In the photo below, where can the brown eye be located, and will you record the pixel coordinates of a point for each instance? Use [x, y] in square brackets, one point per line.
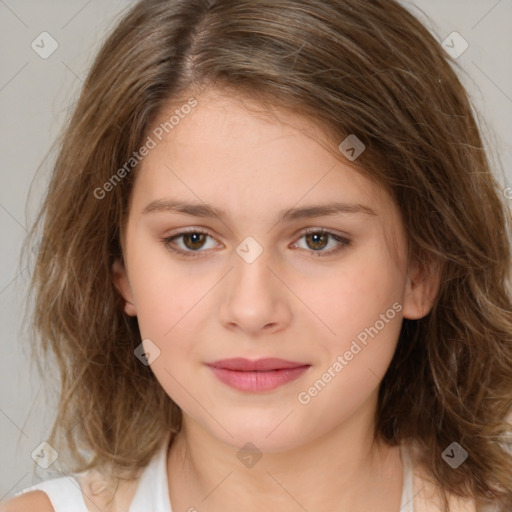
[194, 241]
[318, 240]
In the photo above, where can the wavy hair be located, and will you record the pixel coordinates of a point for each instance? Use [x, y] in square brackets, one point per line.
[364, 67]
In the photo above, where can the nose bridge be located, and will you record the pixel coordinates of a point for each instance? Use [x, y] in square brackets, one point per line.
[252, 261]
[253, 296]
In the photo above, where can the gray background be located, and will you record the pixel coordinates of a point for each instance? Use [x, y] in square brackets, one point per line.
[36, 95]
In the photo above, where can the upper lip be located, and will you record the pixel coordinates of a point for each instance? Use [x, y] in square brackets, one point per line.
[248, 365]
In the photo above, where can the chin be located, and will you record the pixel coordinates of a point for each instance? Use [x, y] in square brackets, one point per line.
[270, 435]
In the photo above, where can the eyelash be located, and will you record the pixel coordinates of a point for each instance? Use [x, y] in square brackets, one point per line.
[342, 241]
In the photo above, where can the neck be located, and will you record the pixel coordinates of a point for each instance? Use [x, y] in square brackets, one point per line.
[345, 470]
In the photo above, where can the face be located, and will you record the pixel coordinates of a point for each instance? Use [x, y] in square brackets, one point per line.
[267, 277]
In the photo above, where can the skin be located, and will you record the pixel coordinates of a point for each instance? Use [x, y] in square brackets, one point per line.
[287, 303]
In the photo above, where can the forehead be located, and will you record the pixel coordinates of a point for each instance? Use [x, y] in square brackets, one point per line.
[234, 144]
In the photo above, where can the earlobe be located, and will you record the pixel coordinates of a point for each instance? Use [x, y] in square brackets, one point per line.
[122, 285]
[421, 291]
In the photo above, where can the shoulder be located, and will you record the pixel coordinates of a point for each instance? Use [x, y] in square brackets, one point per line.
[90, 492]
[428, 496]
[100, 494]
[431, 502]
[33, 500]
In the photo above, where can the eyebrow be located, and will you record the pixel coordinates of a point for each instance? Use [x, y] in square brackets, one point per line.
[304, 212]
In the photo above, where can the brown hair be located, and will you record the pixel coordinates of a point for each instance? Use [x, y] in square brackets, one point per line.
[364, 67]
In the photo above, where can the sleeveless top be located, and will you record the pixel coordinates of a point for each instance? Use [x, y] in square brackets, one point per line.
[153, 492]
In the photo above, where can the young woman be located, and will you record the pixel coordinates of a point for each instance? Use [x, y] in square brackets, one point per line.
[275, 270]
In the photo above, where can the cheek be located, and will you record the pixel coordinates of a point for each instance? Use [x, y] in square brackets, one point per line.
[163, 304]
[164, 290]
[169, 312]
[354, 298]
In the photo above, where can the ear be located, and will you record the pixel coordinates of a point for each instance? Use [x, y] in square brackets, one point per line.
[123, 287]
[421, 289]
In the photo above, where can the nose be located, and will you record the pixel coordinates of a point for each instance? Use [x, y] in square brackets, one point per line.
[254, 298]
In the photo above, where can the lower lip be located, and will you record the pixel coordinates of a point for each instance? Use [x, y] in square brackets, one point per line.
[258, 381]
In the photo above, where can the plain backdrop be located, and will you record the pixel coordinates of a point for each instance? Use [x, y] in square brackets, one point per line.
[36, 95]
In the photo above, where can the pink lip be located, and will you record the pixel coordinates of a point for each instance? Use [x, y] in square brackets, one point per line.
[260, 375]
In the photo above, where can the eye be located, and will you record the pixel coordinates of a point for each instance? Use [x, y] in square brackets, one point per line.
[318, 239]
[194, 241]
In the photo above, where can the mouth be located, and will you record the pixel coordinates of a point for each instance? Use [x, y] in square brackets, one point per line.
[257, 375]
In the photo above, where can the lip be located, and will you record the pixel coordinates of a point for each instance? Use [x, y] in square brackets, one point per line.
[257, 375]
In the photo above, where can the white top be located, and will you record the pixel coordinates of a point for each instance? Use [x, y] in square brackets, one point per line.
[153, 492]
